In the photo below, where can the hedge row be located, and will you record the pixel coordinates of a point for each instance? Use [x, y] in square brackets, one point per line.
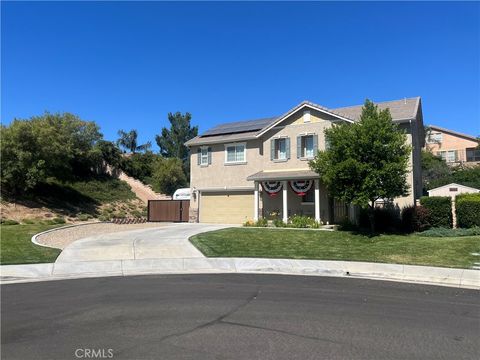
[467, 208]
[439, 210]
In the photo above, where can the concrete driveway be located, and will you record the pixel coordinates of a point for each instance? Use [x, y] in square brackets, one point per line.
[158, 243]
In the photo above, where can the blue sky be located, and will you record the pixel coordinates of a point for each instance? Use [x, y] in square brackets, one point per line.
[126, 65]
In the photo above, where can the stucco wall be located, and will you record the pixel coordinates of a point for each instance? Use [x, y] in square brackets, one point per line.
[293, 127]
[451, 142]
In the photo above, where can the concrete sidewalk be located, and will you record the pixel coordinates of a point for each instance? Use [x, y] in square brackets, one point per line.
[464, 278]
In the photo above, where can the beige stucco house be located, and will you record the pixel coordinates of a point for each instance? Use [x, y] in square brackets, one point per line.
[453, 147]
[259, 168]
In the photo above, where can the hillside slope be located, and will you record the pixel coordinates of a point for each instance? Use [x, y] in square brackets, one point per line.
[100, 197]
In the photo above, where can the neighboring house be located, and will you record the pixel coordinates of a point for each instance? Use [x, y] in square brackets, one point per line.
[249, 169]
[452, 190]
[452, 146]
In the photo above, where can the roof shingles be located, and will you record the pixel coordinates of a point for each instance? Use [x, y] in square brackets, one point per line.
[405, 109]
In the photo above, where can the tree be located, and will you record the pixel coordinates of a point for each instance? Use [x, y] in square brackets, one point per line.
[172, 141]
[168, 175]
[366, 161]
[107, 153]
[140, 165]
[128, 141]
[433, 168]
[51, 145]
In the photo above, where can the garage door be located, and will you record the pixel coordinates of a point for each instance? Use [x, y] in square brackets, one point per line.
[226, 208]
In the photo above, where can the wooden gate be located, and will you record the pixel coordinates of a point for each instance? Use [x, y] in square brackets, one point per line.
[168, 210]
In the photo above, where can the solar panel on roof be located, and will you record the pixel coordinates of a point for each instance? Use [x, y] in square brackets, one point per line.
[239, 127]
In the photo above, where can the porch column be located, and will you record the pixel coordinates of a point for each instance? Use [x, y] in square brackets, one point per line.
[285, 206]
[255, 196]
[317, 200]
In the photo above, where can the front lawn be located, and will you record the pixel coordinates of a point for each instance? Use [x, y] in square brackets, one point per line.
[16, 246]
[339, 245]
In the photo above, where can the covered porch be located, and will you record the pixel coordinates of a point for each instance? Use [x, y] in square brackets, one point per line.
[282, 194]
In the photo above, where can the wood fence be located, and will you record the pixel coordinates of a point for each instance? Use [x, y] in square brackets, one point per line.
[168, 210]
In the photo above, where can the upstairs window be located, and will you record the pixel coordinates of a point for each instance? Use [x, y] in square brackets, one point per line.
[235, 153]
[448, 156]
[473, 154]
[434, 138]
[280, 149]
[307, 146]
[204, 156]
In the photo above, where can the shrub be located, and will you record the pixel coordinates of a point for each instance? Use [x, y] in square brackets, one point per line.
[136, 214]
[83, 217]
[387, 219]
[347, 225]
[58, 220]
[104, 218]
[298, 221]
[467, 208]
[440, 210]
[249, 223]
[415, 218]
[279, 223]
[262, 222]
[28, 221]
[8, 222]
[445, 232]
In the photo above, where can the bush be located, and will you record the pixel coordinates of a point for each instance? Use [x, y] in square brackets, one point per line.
[83, 217]
[279, 223]
[58, 220]
[387, 219]
[440, 210]
[298, 221]
[9, 222]
[467, 208]
[28, 221]
[415, 218]
[104, 218]
[445, 232]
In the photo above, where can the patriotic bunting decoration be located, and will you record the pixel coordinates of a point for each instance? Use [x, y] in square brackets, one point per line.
[272, 188]
[301, 186]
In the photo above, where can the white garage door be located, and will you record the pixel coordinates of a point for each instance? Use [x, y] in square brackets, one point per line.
[226, 208]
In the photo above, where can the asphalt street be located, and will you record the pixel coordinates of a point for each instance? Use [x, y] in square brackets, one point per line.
[237, 317]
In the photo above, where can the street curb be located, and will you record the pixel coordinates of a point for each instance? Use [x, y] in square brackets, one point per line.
[452, 277]
[34, 237]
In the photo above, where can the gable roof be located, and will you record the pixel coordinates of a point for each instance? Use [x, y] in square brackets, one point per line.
[455, 185]
[401, 110]
[448, 131]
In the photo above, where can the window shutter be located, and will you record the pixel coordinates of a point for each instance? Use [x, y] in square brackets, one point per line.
[299, 147]
[199, 156]
[287, 147]
[209, 155]
[315, 144]
[272, 149]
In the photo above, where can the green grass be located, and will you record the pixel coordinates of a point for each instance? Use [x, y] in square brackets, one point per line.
[16, 246]
[339, 245]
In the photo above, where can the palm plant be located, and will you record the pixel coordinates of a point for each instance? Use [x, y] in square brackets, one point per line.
[128, 141]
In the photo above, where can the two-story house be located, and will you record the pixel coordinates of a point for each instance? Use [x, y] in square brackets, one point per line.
[453, 147]
[259, 168]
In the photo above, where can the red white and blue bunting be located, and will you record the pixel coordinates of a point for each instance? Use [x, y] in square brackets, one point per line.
[301, 186]
[272, 188]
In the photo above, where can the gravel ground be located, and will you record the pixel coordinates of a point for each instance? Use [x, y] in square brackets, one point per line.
[62, 237]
